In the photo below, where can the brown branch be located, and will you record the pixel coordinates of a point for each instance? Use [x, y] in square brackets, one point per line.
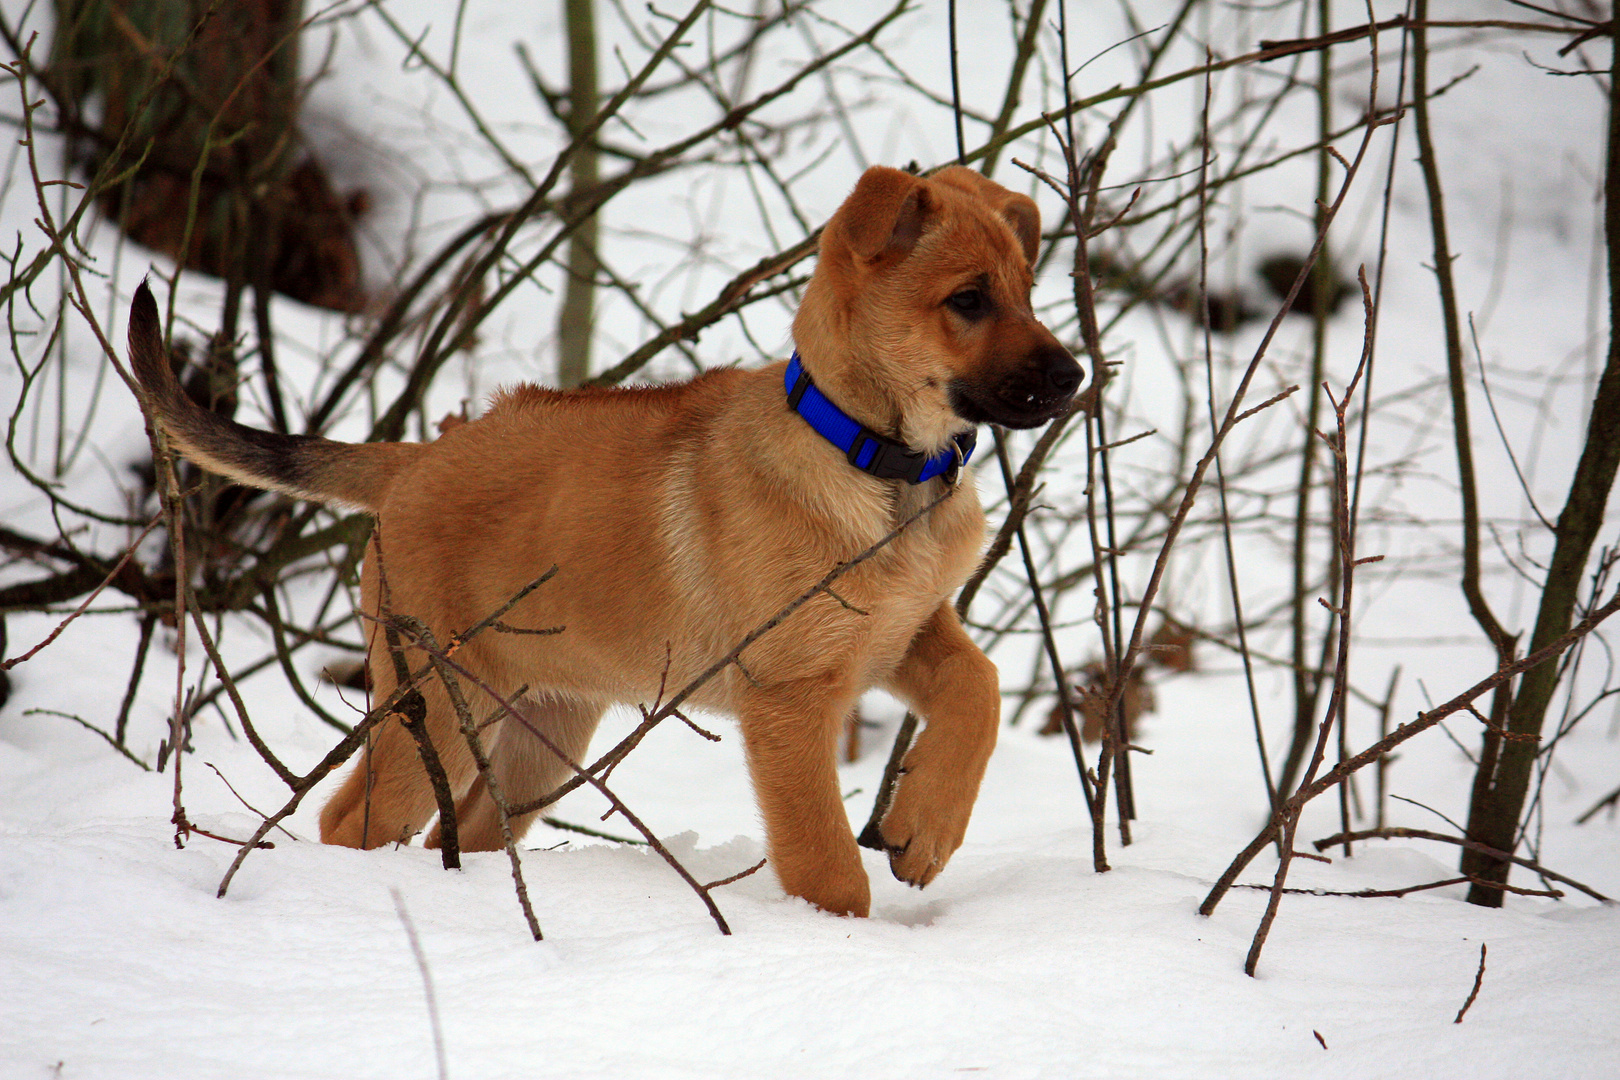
[232, 789]
[193, 830]
[286, 775]
[1396, 832]
[271, 614]
[1079, 192]
[334, 759]
[1274, 50]
[1499, 794]
[734, 295]
[1423, 722]
[443, 666]
[569, 826]
[1019, 499]
[137, 669]
[412, 715]
[1344, 538]
[1094, 790]
[1607, 800]
[117, 569]
[1479, 978]
[1380, 894]
[114, 743]
[756, 868]
[413, 718]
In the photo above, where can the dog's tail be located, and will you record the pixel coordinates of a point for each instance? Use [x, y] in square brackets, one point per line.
[304, 466]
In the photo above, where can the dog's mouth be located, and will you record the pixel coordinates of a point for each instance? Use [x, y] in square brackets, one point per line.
[1030, 396]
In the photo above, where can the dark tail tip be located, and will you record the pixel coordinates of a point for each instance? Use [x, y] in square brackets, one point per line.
[146, 341]
[143, 314]
[143, 310]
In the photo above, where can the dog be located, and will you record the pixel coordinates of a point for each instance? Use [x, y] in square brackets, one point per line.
[681, 517]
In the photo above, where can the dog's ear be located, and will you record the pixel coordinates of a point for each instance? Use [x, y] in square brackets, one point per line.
[884, 216]
[1025, 218]
[1019, 211]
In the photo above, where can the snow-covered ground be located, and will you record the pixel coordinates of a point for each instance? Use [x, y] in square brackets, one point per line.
[118, 961]
[1018, 962]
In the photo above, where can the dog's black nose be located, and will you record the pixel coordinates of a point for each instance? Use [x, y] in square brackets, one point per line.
[1063, 375]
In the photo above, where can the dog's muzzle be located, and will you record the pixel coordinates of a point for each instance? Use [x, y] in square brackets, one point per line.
[1031, 393]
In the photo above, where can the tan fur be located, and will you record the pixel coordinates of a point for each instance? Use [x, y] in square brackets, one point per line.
[681, 517]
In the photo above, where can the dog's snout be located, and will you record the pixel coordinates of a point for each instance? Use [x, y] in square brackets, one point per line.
[1032, 391]
[1063, 375]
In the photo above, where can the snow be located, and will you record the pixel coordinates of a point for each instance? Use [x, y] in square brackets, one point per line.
[117, 960]
[1019, 962]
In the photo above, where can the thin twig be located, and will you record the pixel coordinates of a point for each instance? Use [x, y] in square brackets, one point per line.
[1384, 894]
[413, 717]
[232, 789]
[112, 742]
[1344, 537]
[1607, 800]
[1423, 722]
[427, 982]
[1479, 978]
[129, 553]
[1398, 832]
[443, 666]
[568, 826]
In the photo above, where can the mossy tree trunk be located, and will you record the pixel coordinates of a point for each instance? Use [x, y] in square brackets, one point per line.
[223, 185]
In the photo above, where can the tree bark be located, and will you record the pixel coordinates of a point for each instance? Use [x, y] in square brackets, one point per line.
[575, 320]
[1494, 815]
[223, 184]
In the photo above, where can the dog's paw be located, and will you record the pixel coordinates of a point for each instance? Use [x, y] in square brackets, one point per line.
[923, 829]
[855, 901]
[835, 892]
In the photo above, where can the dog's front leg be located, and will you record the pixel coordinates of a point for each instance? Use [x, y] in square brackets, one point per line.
[791, 733]
[948, 681]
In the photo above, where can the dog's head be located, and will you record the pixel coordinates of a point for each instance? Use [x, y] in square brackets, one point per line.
[918, 315]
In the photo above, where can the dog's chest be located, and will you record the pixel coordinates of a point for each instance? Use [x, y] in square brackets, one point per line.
[866, 617]
[739, 546]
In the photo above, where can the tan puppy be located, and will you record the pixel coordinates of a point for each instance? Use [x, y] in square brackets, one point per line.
[681, 517]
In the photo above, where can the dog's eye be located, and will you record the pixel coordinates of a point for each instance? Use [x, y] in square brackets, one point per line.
[968, 302]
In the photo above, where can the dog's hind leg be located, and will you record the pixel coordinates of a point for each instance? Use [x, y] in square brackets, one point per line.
[791, 732]
[388, 798]
[524, 767]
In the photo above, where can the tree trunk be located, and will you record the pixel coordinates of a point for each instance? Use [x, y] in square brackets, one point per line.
[575, 320]
[1498, 803]
[224, 186]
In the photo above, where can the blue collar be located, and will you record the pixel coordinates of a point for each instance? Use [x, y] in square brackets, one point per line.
[866, 449]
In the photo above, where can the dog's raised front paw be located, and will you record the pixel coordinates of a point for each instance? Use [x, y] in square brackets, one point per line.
[923, 829]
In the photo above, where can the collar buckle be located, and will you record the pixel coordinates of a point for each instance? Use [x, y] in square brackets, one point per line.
[887, 460]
